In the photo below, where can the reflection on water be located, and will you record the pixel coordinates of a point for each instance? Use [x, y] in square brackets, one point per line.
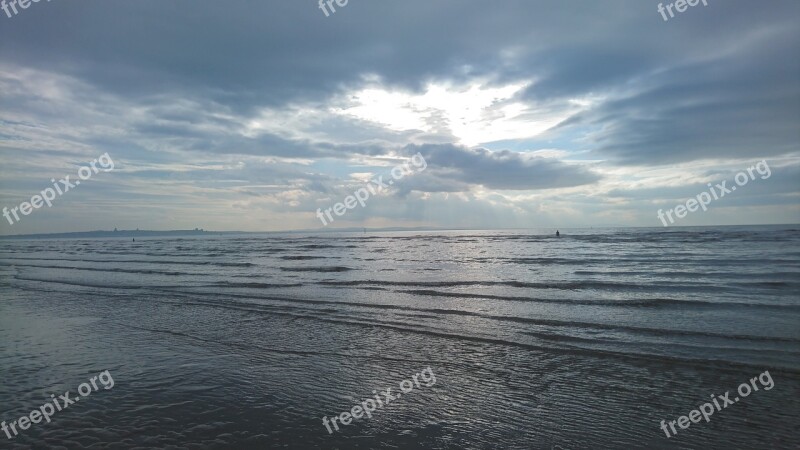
[589, 340]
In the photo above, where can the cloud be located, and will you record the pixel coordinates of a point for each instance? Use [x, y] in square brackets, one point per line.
[745, 103]
[499, 169]
[253, 114]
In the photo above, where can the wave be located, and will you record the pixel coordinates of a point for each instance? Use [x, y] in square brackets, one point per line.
[325, 269]
[654, 302]
[107, 269]
[719, 364]
[302, 257]
[565, 285]
[583, 326]
[90, 284]
[140, 261]
[319, 246]
[137, 261]
[254, 285]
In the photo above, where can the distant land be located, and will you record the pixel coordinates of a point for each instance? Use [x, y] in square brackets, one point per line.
[111, 234]
[102, 234]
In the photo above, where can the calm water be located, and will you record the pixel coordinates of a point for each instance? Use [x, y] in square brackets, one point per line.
[587, 341]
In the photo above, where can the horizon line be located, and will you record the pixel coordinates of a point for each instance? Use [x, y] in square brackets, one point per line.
[358, 229]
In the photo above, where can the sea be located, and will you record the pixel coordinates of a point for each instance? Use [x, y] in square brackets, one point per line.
[587, 340]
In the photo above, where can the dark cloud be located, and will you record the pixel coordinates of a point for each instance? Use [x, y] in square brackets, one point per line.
[499, 169]
[741, 104]
[715, 80]
[190, 97]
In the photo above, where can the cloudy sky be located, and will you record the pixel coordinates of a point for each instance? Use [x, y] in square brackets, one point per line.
[251, 115]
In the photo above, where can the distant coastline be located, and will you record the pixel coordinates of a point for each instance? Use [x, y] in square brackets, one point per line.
[102, 234]
[113, 234]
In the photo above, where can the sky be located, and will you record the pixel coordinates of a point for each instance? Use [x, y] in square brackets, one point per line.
[255, 115]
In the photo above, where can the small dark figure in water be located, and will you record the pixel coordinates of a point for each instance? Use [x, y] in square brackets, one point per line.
[134, 239]
[558, 234]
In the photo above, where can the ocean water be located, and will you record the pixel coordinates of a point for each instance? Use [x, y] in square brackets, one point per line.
[247, 341]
